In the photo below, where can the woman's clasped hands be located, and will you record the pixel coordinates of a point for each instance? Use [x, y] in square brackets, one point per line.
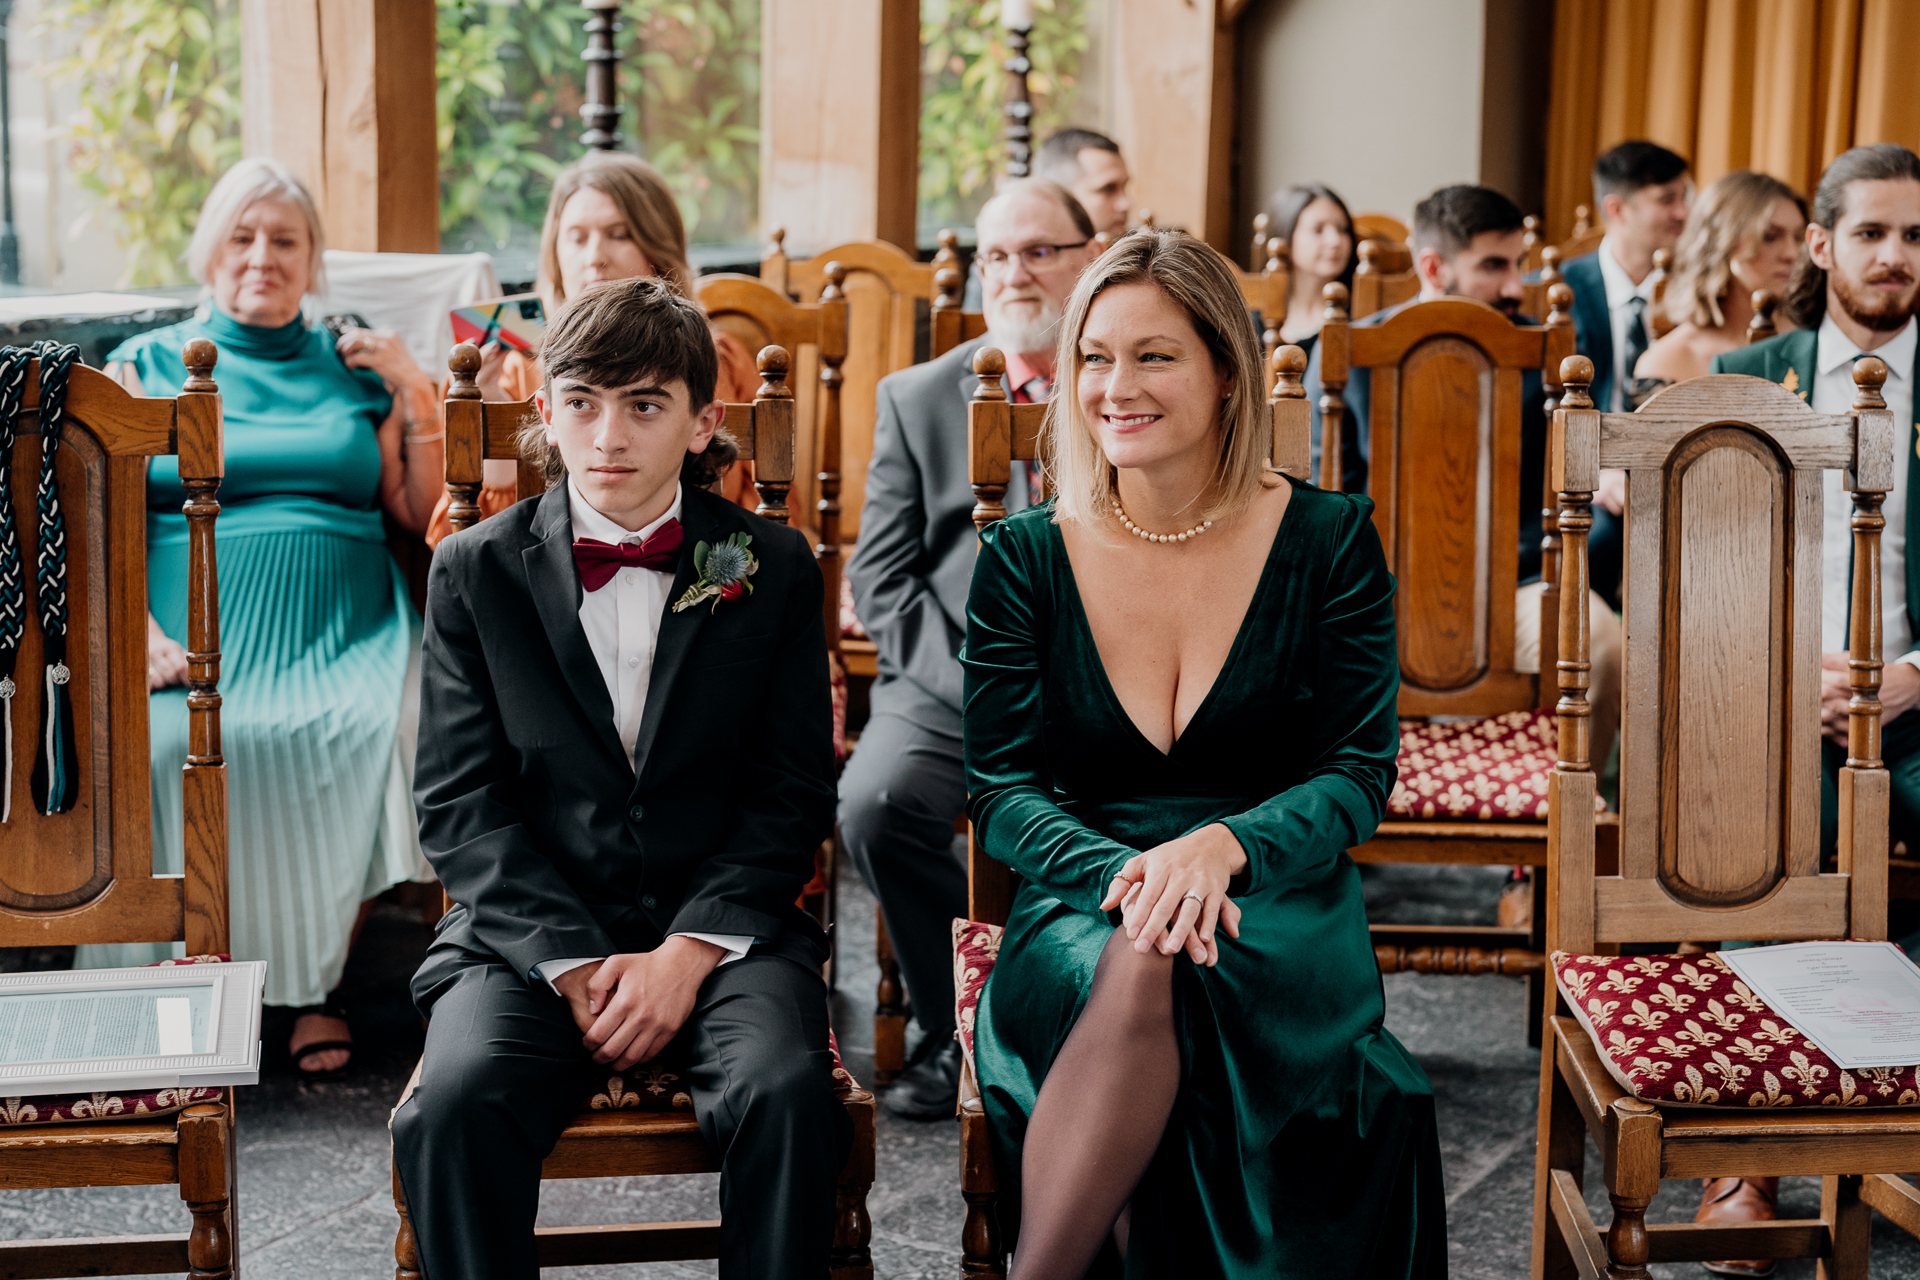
[1175, 895]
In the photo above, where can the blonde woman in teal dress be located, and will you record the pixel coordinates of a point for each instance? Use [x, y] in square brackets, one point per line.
[1180, 687]
[317, 631]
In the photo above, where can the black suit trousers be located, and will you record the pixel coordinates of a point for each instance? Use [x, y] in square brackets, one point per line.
[505, 1071]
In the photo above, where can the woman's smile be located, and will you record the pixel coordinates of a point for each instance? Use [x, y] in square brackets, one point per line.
[1125, 422]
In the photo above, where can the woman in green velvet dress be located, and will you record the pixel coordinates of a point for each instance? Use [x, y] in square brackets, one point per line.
[322, 437]
[1180, 688]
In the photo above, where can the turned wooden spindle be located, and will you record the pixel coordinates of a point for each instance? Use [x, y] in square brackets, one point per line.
[982, 1255]
[1559, 346]
[1018, 109]
[1550, 265]
[466, 437]
[1279, 289]
[948, 254]
[827, 473]
[1292, 418]
[1259, 255]
[406, 1249]
[947, 284]
[205, 1136]
[1333, 383]
[989, 495]
[1582, 221]
[1761, 326]
[1575, 665]
[772, 408]
[774, 263]
[1530, 242]
[601, 110]
[1634, 1181]
[203, 783]
[1864, 665]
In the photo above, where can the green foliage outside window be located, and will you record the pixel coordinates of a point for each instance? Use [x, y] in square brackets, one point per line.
[159, 117]
[512, 83]
[962, 89]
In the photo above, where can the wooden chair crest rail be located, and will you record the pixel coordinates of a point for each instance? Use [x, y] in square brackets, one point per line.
[1388, 236]
[86, 875]
[1445, 382]
[1722, 724]
[1000, 433]
[625, 1143]
[1377, 286]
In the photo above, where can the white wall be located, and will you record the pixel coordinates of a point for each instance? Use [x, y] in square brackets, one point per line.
[1379, 99]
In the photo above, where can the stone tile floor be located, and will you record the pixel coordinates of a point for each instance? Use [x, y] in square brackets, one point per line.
[314, 1191]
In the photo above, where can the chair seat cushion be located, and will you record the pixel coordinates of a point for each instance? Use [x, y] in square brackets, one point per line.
[976, 947]
[97, 1108]
[1684, 1031]
[1491, 769]
[654, 1087]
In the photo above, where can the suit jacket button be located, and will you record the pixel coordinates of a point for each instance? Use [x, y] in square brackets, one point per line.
[636, 813]
[648, 901]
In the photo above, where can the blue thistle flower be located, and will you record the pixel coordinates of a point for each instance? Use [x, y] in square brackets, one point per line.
[726, 564]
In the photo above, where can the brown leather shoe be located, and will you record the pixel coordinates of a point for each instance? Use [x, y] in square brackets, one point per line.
[1516, 905]
[1739, 1200]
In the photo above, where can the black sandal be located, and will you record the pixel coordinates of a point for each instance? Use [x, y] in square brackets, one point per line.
[328, 1009]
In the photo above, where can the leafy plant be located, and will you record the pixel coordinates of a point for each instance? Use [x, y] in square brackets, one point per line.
[963, 88]
[159, 117]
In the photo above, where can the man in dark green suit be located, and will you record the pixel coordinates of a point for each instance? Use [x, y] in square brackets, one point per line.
[1853, 293]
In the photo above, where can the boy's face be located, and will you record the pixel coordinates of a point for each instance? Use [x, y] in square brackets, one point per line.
[623, 446]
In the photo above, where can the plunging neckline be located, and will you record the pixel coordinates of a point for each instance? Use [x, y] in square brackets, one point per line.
[1107, 690]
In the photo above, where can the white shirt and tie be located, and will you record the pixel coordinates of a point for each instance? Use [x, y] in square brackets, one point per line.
[622, 622]
[1624, 298]
[1833, 390]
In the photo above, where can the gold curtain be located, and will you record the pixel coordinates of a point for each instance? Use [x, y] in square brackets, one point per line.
[1782, 86]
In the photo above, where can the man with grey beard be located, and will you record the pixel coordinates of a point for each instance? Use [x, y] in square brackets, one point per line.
[905, 786]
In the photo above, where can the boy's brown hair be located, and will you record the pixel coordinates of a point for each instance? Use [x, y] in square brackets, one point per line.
[628, 331]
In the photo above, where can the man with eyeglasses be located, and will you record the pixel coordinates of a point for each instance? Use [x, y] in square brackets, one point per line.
[905, 786]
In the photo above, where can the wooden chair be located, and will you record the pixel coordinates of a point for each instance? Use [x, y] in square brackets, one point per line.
[1388, 236]
[1375, 288]
[1000, 433]
[1455, 553]
[1533, 296]
[1268, 293]
[1585, 236]
[1761, 326]
[1737, 463]
[629, 1143]
[86, 875]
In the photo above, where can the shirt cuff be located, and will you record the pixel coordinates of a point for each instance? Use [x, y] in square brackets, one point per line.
[1911, 658]
[734, 944]
[548, 970]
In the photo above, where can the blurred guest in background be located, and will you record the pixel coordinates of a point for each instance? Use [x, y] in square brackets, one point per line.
[1743, 235]
[1089, 165]
[1313, 222]
[319, 682]
[611, 217]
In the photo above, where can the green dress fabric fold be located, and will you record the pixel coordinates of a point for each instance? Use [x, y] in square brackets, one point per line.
[316, 634]
[1304, 1139]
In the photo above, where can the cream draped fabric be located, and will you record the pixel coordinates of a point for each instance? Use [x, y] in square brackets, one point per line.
[1782, 86]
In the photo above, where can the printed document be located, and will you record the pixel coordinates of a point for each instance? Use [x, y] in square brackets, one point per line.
[1858, 1001]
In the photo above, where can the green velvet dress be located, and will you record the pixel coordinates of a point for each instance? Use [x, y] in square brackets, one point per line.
[1303, 1143]
[316, 633]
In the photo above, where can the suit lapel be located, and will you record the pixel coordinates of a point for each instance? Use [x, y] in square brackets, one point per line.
[1912, 446]
[554, 583]
[677, 630]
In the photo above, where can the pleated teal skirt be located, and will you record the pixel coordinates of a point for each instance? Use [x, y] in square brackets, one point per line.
[316, 634]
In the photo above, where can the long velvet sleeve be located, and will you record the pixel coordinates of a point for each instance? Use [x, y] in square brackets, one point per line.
[1356, 731]
[1003, 728]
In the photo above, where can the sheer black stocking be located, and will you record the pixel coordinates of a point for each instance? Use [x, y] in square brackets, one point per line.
[1099, 1116]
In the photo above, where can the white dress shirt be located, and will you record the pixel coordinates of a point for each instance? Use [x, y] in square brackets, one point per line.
[1621, 291]
[622, 622]
[1833, 391]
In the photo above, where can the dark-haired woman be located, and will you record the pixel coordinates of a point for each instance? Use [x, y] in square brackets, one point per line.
[1314, 224]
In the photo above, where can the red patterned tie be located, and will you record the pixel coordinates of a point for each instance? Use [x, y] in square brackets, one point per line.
[599, 561]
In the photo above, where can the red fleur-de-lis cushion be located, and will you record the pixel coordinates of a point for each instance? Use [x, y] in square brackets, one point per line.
[1492, 769]
[92, 1108]
[1684, 1031]
[655, 1086]
[976, 947]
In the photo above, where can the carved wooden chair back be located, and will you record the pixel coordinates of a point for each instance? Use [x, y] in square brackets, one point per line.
[1444, 470]
[1267, 293]
[86, 875]
[1761, 326]
[1533, 297]
[1388, 236]
[951, 325]
[1585, 236]
[761, 316]
[1720, 728]
[1378, 288]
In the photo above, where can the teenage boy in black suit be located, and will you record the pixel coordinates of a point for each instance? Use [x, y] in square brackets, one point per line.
[625, 765]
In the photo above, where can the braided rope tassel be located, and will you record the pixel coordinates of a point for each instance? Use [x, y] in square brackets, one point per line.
[13, 582]
[56, 767]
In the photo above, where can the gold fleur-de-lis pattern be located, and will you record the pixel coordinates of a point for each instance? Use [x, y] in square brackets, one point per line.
[976, 947]
[1490, 770]
[91, 1108]
[1684, 1030]
[652, 1087]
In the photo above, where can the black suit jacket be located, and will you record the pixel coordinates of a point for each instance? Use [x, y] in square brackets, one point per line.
[552, 843]
[1592, 323]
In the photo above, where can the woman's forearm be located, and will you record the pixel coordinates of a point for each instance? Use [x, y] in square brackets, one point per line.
[413, 456]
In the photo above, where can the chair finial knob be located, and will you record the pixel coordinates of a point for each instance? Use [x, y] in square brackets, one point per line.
[200, 357]
[1289, 366]
[1576, 374]
[772, 364]
[989, 366]
[1869, 375]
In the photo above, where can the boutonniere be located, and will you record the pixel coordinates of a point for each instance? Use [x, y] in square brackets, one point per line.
[1792, 383]
[724, 568]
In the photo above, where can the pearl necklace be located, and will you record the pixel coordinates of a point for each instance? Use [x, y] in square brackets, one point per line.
[1138, 532]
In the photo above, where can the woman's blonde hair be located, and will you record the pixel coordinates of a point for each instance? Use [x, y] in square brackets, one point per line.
[643, 198]
[1733, 210]
[246, 184]
[1203, 283]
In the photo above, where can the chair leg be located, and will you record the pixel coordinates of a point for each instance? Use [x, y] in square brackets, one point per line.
[206, 1184]
[852, 1256]
[1627, 1245]
[1634, 1180]
[1537, 983]
[1562, 1145]
[982, 1257]
[889, 1009]
[406, 1251]
[1850, 1223]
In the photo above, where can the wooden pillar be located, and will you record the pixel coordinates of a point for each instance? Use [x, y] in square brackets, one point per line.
[840, 121]
[342, 93]
[1174, 84]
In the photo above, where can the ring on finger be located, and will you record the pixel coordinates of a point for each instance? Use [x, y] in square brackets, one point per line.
[1190, 894]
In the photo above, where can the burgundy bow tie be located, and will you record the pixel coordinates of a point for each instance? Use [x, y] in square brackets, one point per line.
[599, 561]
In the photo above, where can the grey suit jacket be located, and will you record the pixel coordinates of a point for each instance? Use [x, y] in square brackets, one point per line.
[914, 559]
